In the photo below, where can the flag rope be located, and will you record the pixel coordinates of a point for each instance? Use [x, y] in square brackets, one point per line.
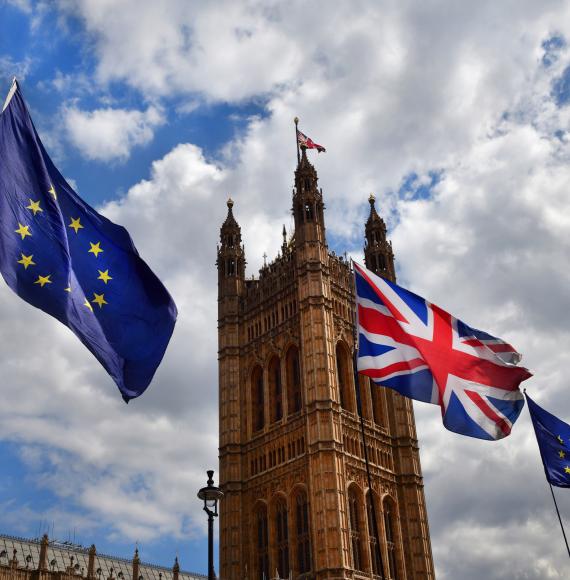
[363, 434]
[559, 518]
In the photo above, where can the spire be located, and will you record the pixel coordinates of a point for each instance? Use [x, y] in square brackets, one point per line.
[308, 206]
[377, 249]
[231, 254]
[230, 219]
[136, 564]
[175, 569]
[42, 564]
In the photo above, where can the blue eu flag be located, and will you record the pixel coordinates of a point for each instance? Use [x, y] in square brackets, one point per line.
[553, 436]
[60, 255]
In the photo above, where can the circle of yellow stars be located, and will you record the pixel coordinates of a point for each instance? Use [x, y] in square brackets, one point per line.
[27, 261]
[562, 453]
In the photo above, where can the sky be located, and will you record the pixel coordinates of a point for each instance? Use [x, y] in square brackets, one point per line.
[455, 114]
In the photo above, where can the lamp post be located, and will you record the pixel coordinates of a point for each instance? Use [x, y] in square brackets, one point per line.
[210, 495]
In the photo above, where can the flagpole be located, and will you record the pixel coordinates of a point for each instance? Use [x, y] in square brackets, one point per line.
[296, 121]
[546, 473]
[559, 518]
[363, 433]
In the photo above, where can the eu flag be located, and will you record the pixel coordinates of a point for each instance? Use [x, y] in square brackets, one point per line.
[60, 255]
[553, 436]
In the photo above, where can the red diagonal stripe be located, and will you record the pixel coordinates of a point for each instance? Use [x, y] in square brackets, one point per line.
[488, 412]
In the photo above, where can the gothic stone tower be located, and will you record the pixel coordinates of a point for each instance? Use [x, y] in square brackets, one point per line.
[297, 503]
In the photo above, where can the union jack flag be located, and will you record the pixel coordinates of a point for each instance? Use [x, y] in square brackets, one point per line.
[307, 142]
[416, 348]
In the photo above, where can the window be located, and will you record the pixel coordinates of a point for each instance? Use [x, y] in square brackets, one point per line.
[231, 267]
[257, 399]
[262, 538]
[390, 538]
[282, 539]
[376, 403]
[375, 556]
[275, 389]
[303, 542]
[344, 371]
[355, 534]
[294, 400]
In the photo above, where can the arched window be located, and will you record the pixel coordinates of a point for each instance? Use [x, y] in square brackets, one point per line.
[282, 538]
[257, 399]
[275, 391]
[294, 400]
[262, 544]
[344, 374]
[308, 211]
[355, 533]
[389, 526]
[376, 395]
[375, 556]
[303, 534]
[231, 267]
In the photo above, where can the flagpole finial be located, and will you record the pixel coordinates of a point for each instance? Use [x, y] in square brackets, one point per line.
[296, 120]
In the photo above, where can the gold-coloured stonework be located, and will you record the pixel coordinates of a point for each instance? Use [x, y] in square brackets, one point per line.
[291, 456]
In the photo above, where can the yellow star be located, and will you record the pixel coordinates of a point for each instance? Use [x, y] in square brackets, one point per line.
[99, 299]
[104, 276]
[43, 280]
[75, 225]
[95, 249]
[561, 454]
[560, 439]
[567, 469]
[23, 230]
[26, 261]
[34, 206]
[86, 303]
[52, 192]
[68, 289]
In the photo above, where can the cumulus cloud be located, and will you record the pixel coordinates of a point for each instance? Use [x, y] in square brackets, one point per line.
[398, 93]
[110, 134]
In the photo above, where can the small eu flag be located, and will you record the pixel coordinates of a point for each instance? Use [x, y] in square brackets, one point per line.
[60, 255]
[553, 436]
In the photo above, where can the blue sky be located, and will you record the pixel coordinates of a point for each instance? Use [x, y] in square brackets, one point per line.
[456, 116]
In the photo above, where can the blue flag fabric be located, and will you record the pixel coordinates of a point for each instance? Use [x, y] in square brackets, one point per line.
[553, 436]
[58, 254]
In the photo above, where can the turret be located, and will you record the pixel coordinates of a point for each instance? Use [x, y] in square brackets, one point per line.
[378, 253]
[231, 256]
[308, 206]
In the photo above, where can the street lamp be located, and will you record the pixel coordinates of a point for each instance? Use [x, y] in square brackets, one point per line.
[210, 495]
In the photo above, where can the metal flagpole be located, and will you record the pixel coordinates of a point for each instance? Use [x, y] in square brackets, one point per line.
[296, 120]
[363, 433]
[559, 518]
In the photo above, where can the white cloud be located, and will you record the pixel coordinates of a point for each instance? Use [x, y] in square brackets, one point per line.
[389, 89]
[110, 134]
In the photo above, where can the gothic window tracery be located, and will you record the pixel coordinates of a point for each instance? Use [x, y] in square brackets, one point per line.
[282, 538]
[303, 538]
[257, 399]
[391, 541]
[262, 544]
[294, 398]
[355, 529]
[275, 390]
[373, 537]
[345, 381]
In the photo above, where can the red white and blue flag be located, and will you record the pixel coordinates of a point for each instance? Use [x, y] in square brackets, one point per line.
[307, 142]
[407, 344]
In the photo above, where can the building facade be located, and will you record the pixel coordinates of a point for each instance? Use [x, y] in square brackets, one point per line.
[292, 463]
[22, 559]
